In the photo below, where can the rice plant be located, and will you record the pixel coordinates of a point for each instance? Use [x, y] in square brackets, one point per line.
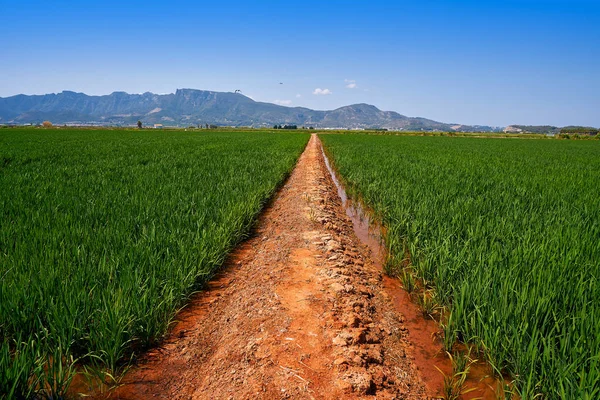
[454, 384]
[507, 231]
[105, 233]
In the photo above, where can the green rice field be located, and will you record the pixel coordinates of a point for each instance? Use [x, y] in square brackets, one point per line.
[504, 235]
[104, 234]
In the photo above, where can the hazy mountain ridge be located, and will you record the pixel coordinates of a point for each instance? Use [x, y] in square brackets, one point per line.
[192, 107]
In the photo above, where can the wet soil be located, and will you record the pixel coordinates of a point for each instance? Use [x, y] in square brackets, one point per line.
[423, 333]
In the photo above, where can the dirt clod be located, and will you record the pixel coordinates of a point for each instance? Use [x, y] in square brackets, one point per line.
[300, 316]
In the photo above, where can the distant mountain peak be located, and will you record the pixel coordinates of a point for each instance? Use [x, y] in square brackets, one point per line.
[193, 106]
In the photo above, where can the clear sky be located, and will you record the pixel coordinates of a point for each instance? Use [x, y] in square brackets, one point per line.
[471, 62]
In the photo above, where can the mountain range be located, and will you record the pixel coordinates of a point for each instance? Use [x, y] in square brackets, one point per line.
[192, 107]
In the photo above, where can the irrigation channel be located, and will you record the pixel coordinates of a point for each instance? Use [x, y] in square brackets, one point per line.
[423, 333]
[302, 310]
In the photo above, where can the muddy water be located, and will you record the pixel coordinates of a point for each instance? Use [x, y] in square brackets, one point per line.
[424, 333]
[365, 227]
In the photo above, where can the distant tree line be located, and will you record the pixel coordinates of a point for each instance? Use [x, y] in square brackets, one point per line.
[211, 126]
[537, 128]
[579, 130]
[572, 130]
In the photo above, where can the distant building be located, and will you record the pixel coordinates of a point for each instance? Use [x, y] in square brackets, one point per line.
[512, 129]
[158, 126]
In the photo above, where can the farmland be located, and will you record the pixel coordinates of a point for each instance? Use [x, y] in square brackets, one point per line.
[104, 234]
[504, 236]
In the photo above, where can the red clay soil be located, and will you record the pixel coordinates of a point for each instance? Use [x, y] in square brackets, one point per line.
[301, 310]
[423, 333]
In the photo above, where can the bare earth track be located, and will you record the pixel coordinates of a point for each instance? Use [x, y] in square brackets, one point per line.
[299, 311]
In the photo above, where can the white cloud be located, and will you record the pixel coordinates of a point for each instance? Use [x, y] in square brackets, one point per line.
[298, 95]
[322, 92]
[283, 102]
[350, 83]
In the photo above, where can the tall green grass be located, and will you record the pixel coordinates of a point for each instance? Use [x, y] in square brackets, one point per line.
[508, 233]
[104, 235]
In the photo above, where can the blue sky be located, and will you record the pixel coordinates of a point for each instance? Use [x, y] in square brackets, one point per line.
[471, 62]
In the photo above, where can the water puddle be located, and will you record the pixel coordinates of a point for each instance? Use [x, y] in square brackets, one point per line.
[367, 229]
[423, 333]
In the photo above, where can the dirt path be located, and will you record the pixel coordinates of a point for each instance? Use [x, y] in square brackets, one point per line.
[298, 312]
